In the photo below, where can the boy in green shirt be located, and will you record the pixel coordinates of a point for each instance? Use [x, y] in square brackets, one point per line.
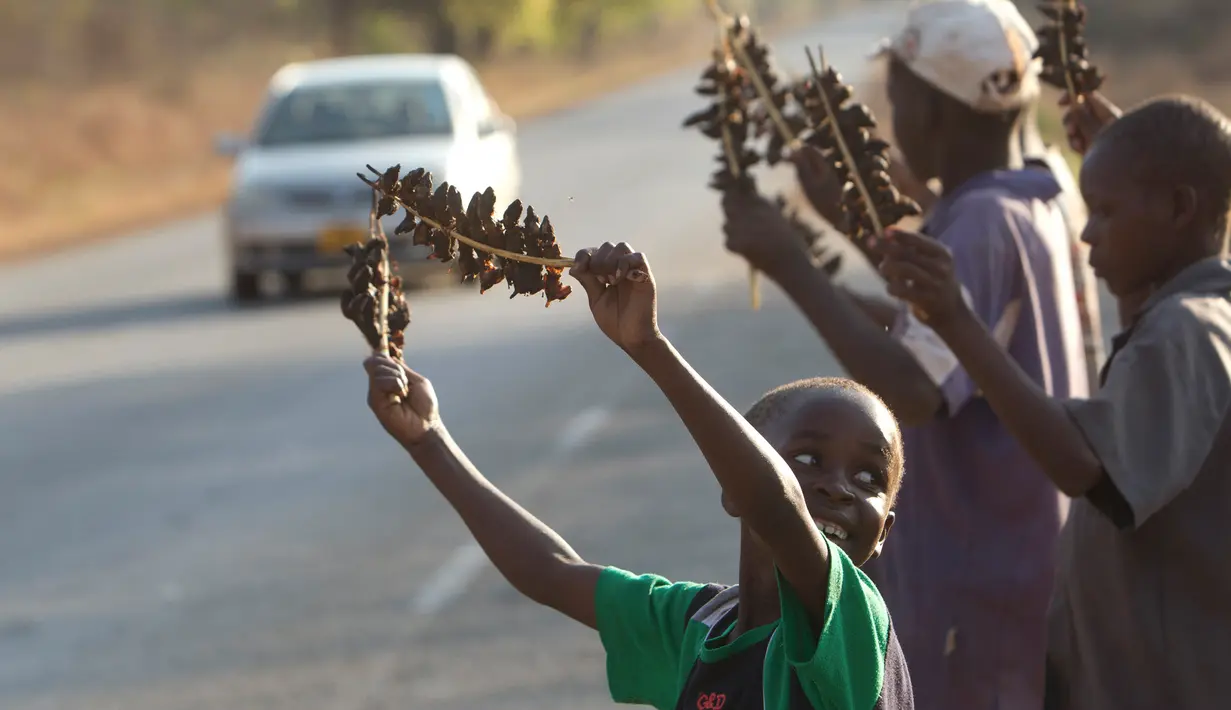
[811, 473]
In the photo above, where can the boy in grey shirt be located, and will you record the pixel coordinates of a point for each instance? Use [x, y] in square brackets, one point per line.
[1141, 616]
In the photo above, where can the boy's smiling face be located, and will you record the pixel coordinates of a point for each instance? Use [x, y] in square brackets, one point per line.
[845, 449]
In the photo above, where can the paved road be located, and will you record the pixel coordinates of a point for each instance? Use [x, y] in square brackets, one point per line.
[197, 511]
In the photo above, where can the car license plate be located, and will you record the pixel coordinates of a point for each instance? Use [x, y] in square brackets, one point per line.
[333, 239]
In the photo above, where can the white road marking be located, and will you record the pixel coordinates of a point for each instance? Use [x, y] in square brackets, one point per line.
[464, 565]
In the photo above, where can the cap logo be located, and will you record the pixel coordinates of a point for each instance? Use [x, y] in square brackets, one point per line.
[1004, 82]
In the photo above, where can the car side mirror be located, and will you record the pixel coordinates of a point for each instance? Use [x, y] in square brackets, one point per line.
[229, 145]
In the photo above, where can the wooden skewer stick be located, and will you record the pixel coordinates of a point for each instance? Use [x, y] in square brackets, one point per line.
[377, 231]
[728, 148]
[1064, 52]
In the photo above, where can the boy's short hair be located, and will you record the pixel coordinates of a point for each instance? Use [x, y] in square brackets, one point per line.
[1179, 140]
[775, 402]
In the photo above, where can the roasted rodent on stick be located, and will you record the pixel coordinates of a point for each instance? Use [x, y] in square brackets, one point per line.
[519, 248]
[370, 270]
[768, 112]
[1062, 49]
[726, 120]
[749, 101]
[841, 129]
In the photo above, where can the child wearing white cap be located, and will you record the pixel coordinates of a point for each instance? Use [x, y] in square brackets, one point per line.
[969, 583]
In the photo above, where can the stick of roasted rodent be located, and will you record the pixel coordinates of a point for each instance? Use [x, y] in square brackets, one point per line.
[373, 299]
[841, 129]
[751, 99]
[520, 250]
[1062, 49]
[726, 120]
[1066, 66]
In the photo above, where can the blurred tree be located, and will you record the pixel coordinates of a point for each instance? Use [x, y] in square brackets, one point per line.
[439, 26]
[342, 17]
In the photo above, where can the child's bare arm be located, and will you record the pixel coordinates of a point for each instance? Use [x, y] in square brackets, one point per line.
[880, 311]
[762, 486]
[757, 231]
[530, 555]
[919, 270]
[754, 477]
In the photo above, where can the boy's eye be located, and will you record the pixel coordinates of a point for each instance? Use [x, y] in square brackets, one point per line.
[808, 459]
[868, 478]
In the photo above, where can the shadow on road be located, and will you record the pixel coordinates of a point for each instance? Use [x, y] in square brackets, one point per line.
[134, 313]
[179, 307]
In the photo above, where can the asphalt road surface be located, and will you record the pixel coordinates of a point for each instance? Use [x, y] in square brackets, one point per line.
[198, 511]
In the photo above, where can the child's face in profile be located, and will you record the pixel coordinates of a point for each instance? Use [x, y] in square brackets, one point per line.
[1130, 229]
[844, 449]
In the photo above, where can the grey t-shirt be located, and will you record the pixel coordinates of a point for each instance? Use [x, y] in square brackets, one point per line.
[1141, 616]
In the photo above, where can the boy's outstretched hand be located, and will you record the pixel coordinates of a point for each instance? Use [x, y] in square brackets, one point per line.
[919, 270]
[757, 230]
[820, 183]
[622, 293]
[1083, 120]
[402, 400]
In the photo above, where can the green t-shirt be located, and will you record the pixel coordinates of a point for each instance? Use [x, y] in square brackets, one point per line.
[664, 647]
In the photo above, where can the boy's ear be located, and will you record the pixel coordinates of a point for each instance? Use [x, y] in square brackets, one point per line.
[880, 544]
[1184, 206]
[729, 506]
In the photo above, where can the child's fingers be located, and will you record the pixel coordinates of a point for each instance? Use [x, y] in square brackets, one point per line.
[618, 254]
[381, 363]
[387, 371]
[412, 377]
[633, 267]
[605, 264]
[904, 242]
[581, 271]
[602, 262]
[391, 385]
[581, 262]
[908, 281]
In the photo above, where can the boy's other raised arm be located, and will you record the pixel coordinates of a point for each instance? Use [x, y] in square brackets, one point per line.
[754, 477]
[920, 270]
[530, 555]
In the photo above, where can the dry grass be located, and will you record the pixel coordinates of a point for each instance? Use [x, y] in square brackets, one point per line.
[139, 153]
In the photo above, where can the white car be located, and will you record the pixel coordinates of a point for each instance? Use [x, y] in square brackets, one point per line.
[295, 201]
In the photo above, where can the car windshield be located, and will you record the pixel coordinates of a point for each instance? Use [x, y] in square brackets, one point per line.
[357, 112]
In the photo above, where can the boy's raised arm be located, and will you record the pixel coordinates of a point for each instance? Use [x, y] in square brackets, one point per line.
[754, 477]
[530, 555]
[919, 270]
[757, 231]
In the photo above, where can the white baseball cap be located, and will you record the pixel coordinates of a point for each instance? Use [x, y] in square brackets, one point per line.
[980, 52]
